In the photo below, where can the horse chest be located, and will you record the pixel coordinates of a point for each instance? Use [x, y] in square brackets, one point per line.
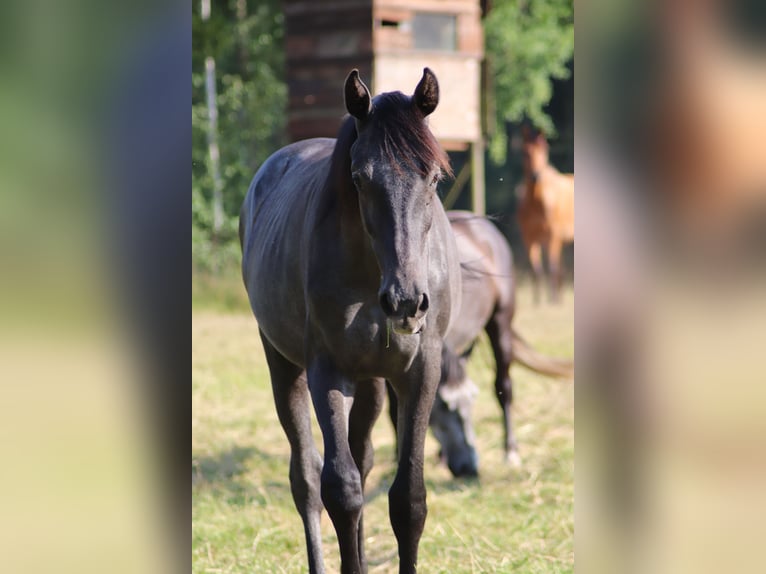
[358, 340]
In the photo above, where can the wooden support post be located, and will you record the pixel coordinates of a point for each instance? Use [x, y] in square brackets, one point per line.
[212, 133]
[478, 205]
[457, 185]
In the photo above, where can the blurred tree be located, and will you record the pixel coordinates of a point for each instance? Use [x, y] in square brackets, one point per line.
[528, 44]
[245, 39]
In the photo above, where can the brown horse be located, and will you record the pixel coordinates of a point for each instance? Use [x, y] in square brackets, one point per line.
[546, 214]
[708, 120]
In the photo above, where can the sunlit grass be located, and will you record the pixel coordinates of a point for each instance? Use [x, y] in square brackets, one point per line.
[510, 520]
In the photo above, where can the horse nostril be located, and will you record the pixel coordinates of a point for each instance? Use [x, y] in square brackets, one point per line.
[423, 306]
[385, 304]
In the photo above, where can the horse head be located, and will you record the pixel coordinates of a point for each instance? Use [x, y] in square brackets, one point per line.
[396, 164]
[451, 416]
[535, 151]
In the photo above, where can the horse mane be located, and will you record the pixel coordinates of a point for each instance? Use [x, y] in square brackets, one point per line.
[405, 137]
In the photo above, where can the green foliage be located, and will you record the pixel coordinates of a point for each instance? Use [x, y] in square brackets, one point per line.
[247, 48]
[528, 43]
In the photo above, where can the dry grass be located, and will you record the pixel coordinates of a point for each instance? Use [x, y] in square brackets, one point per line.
[507, 521]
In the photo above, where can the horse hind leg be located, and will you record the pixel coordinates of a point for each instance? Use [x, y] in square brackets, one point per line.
[554, 257]
[368, 403]
[292, 401]
[499, 331]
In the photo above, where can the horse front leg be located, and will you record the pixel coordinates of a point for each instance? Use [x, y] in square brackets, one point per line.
[342, 492]
[368, 403]
[393, 408]
[407, 495]
[538, 273]
[291, 398]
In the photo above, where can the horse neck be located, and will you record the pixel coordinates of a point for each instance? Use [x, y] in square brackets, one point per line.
[532, 184]
[343, 195]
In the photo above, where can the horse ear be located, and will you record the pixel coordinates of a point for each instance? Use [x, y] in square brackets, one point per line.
[357, 96]
[426, 96]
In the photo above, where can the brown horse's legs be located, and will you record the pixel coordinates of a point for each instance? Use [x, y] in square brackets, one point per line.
[407, 496]
[368, 402]
[538, 273]
[499, 331]
[291, 397]
[333, 396]
[554, 263]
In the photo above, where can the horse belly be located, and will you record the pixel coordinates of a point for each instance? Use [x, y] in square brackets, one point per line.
[478, 302]
[274, 214]
[533, 222]
[277, 304]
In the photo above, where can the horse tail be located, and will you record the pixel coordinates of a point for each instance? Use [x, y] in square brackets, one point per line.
[536, 361]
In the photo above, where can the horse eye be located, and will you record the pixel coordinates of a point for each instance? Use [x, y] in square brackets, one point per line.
[435, 179]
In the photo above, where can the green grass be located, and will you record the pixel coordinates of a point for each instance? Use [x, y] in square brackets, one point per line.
[222, 292]
[510, 520]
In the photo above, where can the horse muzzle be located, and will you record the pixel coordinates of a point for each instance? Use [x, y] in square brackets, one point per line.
[407, 315]
[408, 325]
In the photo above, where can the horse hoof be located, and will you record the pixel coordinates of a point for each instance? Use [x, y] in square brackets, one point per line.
[513, 459]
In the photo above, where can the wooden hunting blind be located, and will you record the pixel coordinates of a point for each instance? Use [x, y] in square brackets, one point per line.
[390, 42]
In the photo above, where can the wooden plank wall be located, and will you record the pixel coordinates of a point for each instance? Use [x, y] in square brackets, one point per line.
[388, 38]
[457, 119]
[323, 42]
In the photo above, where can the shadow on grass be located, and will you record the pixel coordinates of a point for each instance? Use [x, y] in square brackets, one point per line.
[222, 466]
[223, 476]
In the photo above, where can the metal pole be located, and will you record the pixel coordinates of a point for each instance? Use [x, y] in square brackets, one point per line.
[477, 178]
[212, 132]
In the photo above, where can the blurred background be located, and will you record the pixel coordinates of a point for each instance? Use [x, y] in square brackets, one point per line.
[95, 136]
[671, 294]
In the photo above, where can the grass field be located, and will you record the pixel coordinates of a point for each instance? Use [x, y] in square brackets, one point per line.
[509, 520]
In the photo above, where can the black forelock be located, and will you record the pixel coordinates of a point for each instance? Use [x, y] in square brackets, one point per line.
[406, 139]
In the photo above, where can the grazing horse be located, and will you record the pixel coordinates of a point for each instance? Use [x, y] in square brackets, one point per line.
[546, 213]
[488, 303]
[352, 274]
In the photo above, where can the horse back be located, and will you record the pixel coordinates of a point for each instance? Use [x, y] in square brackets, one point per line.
[487, 275]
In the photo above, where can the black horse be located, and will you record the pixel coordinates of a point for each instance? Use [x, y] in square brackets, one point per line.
[353, 276]
[488, 303]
